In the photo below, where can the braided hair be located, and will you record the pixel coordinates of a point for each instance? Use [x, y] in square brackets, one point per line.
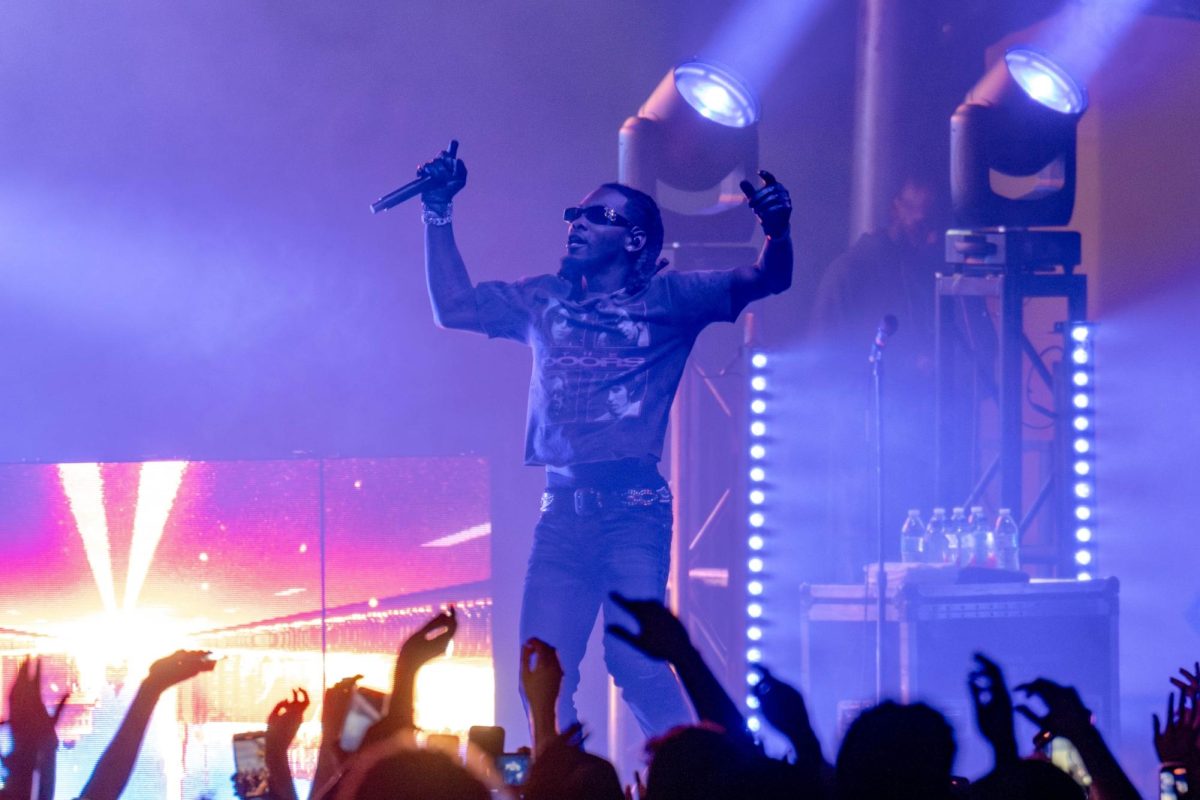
[643, 212]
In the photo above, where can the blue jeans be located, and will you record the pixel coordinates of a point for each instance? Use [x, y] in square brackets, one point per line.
[576, 561]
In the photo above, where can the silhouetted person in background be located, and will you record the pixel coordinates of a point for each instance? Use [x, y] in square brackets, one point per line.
[887, 271]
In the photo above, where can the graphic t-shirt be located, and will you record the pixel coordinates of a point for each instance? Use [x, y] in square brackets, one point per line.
[605, 369]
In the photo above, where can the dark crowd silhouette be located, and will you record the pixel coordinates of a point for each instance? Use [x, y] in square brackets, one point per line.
[891, 750]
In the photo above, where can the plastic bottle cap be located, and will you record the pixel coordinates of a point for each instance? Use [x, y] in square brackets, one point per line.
[1004, 511]
[939, 509]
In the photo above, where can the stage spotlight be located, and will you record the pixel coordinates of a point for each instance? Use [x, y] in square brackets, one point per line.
[1045, 81]
[1012, 145]
[689, 146]
[716, 94]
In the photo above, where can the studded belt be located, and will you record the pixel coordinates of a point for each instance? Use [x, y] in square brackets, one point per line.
[586, 502]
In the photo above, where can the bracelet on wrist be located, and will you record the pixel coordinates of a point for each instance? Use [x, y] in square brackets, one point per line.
[433, 215]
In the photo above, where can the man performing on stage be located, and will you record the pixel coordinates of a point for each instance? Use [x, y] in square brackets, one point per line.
[610, 335]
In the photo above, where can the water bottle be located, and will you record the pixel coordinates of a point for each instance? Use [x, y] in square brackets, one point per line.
[912, 538]
[979, 543]
[1007, 536]
[956, 532]
[937, 550]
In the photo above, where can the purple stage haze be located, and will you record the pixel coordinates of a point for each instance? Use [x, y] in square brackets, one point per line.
[189, 269]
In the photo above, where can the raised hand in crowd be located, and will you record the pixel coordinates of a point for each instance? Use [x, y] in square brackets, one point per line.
[424, 645]
[637, 789]
[112, 772]
[784, 708]
[993, 710]
[662, 636]
[1177, 742]
[541, 682]
[34, 742]
[1189, 686]
[1011, 778]
[282, 725]
[330, 755]
[1066, 716]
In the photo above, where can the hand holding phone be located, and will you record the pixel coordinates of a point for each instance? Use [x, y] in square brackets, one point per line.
[488, 738]
[365, 709]
[428, 642]
[513, 768]
[444, 743]
[485, 743]
[250, 763]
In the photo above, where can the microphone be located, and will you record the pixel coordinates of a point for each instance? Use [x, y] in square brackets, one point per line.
[750, 332]
[412, 188]
[887, 328]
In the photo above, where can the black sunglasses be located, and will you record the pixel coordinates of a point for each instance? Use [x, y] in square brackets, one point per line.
[597, 215]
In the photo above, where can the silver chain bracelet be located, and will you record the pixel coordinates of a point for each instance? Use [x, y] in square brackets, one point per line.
[431, 217]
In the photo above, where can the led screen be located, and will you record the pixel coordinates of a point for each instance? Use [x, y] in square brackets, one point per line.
[294, 573]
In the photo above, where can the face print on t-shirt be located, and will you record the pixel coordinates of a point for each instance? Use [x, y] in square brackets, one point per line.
[563, 329]
[628, 332]
[592, 361]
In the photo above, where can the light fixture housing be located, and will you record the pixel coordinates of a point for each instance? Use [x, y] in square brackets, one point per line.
[1013, 145]
[690, 145]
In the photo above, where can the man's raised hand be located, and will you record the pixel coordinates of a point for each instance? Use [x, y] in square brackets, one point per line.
[993, 708]
[1190, 685]
[781, 703]
[429, 642]
[771, 203]
[1065, 716]
[1178, 741]
[541, 674]
[178, 667]
[285, 720]
[660, 636]
[449, 174]
[31, 725]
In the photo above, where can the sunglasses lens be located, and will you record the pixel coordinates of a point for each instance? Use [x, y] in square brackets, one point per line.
[597, 215]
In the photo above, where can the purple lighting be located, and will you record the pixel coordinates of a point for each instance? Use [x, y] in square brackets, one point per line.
[716, 94]
[1045, 81]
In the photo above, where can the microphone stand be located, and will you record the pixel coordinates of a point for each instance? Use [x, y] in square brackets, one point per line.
[881, 574]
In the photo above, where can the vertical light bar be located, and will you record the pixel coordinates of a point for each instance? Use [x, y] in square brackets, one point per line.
[158, 483]
[757, 524]
[1079, 347]
[84, 488]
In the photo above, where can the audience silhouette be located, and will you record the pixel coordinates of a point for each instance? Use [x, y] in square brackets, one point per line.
[891, 750]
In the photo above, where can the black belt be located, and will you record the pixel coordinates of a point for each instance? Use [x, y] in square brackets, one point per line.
[586, 502]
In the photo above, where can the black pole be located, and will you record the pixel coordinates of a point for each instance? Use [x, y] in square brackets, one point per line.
[880, 522]
[1012, 326]
[321, 531]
